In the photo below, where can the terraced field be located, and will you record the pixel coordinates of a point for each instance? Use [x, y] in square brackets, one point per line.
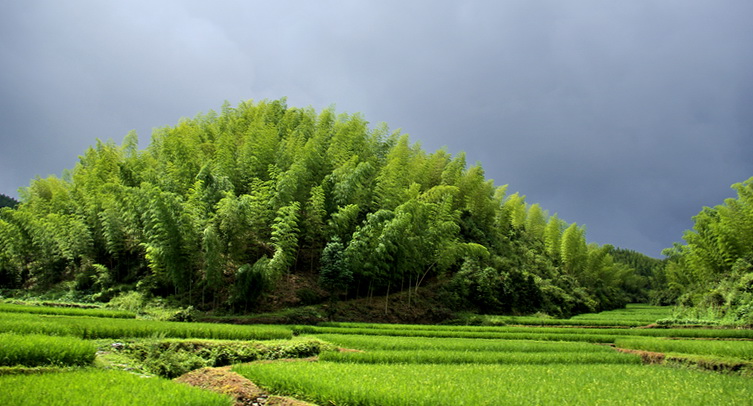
[520, 361]
[59, 356]
[64, 356]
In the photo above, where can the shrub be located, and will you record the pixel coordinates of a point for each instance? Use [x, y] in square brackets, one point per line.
[172, 358]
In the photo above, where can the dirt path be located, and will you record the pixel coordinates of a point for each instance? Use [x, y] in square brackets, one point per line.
[246, 393]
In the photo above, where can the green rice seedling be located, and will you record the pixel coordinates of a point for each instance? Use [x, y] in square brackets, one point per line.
[33, 350]
[604, 335]
[692, 333]
[539, 321]
[632, 316]
[644, 314]
[94, 387]
[65, 311]
[369, 342]
[514, 334]
[469, 384]
[404, 329]
[723, 348]
[478, 357]
[94, 328]
[24, 323]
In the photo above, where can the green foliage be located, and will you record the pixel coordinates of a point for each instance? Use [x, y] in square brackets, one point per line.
[251, 281]
[219, 207]
[709, 276]
[7, 201]
[334, 275]
[172, 358]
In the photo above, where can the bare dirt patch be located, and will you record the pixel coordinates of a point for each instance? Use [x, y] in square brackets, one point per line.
[246, 393]
[349, 350]
[648, 357]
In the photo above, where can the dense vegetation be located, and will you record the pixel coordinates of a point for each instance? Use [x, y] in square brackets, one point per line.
[7, 201]
[711, 275]
[220, 207]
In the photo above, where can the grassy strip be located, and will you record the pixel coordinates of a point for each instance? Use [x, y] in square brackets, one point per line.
[633, 315]
[572, 335]
[33, 350]
[94, 328]
[729, 349]
[65, 311]
[463, 329]
[459, 357]
[536, 333]
[541, 321]
[421, 384]
[102, 388]
[633, 312]
[364, 342]
[22, 370]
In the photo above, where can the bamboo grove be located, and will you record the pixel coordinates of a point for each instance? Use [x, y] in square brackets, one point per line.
[218, 208]
[711, 275]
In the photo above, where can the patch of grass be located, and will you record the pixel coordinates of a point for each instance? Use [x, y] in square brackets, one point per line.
[501, 333]
[426, 384]
[64, 311]
[94, 328]
[94, 387]
[32, 350]
[485, 357]
[597, 335]
[370, 342]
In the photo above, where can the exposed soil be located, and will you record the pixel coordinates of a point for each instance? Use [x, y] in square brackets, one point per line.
[246, 393]
[648, 357]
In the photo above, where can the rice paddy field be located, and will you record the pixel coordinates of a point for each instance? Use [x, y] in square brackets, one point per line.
[50, 357]
[92, 327]
[520, 361]
[99, 387]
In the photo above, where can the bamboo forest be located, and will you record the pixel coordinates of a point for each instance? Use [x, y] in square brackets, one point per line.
[263, 206]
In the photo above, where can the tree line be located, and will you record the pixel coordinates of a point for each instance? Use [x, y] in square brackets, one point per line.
[7, 201]
[711, 275]
[218, 208]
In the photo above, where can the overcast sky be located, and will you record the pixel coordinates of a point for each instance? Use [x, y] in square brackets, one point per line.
[624, 116]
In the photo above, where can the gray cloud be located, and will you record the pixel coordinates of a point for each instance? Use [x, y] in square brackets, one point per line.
[627, 117]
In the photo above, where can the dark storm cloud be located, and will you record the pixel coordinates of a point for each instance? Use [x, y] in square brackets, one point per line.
[627, 117]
